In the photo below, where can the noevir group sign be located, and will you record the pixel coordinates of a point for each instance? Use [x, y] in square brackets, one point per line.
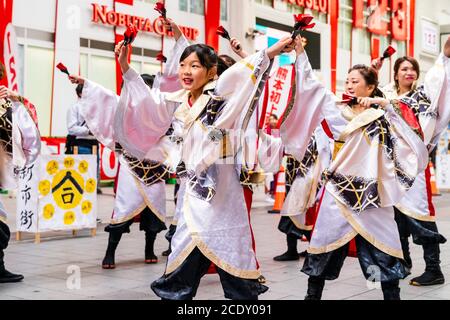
[101, 14]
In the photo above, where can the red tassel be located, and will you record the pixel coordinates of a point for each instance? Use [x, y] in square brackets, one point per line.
[349, 99]
[130, 34]
[161, 57]
[63, 68]
[221, 31]
[388, 52]
[160, 7]
[303, 22]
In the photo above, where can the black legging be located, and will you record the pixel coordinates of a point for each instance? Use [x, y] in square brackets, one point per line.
[328, 265]
[5, 234]
[182, 284]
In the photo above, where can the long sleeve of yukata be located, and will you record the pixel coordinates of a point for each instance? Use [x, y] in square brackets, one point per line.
[99, 105]
[25, 135]
[437, 89]
[98, 108]
[240, 86]
[143, 114]
[312, 103]
[168, 81]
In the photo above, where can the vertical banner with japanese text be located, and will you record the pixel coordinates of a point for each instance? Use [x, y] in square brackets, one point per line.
[57, 193]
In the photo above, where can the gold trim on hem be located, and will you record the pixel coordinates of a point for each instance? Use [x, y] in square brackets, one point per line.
[3, 219]
[148, 203]
[426, 218]
[335, 245]
[181, 257]
[359, 229]
[129, 216]
[300, 225]
[203, 247]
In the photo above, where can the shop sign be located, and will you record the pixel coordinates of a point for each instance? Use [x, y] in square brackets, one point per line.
[101, 15]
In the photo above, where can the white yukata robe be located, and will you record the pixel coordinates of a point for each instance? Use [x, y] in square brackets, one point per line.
[99, 107]
[218, 225]
[433, 116]
[376, 165]
[26, 146]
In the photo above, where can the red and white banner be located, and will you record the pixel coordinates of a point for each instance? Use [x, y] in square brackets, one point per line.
[8, 46]
[277, 93]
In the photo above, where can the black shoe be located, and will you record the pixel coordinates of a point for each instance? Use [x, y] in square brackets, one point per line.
[166, 253]
[8, 277]
[108, 262]
[428, 278]
[303, 254]
[151, 259]
[99, 191]
[150, 256]
[113, 242]
[287, 256]
[315, 288]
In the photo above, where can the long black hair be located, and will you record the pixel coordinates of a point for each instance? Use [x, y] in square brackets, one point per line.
[206, 55]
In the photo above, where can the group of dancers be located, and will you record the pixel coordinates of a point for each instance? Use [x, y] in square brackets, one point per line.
[357, 175]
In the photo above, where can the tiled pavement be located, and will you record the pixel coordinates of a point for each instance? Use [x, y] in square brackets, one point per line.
[51, 267]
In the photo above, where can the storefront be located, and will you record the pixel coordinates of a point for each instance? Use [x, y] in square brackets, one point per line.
[347, 32]
[37, 35]
[82, 35]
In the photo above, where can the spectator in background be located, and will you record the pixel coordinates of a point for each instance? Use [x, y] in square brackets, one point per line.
[79, 134]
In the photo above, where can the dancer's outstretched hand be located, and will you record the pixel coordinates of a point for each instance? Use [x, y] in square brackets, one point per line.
[8, 93]
[283, 45]
[122, 55]
[367, 102]
[236, 46]
[377, 63]
[299, 45]
[76, 79]
[171, 25]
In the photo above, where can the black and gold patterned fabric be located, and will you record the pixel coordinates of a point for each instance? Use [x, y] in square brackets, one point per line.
[147, 171]
[203, 186]
[360, 193]
[6, 126]
[419, 102]
[295, 168]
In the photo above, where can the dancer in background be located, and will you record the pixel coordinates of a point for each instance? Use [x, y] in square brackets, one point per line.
[214, 226]
[141, 192]
[377, 163]
[415, 213]
[20, 145]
